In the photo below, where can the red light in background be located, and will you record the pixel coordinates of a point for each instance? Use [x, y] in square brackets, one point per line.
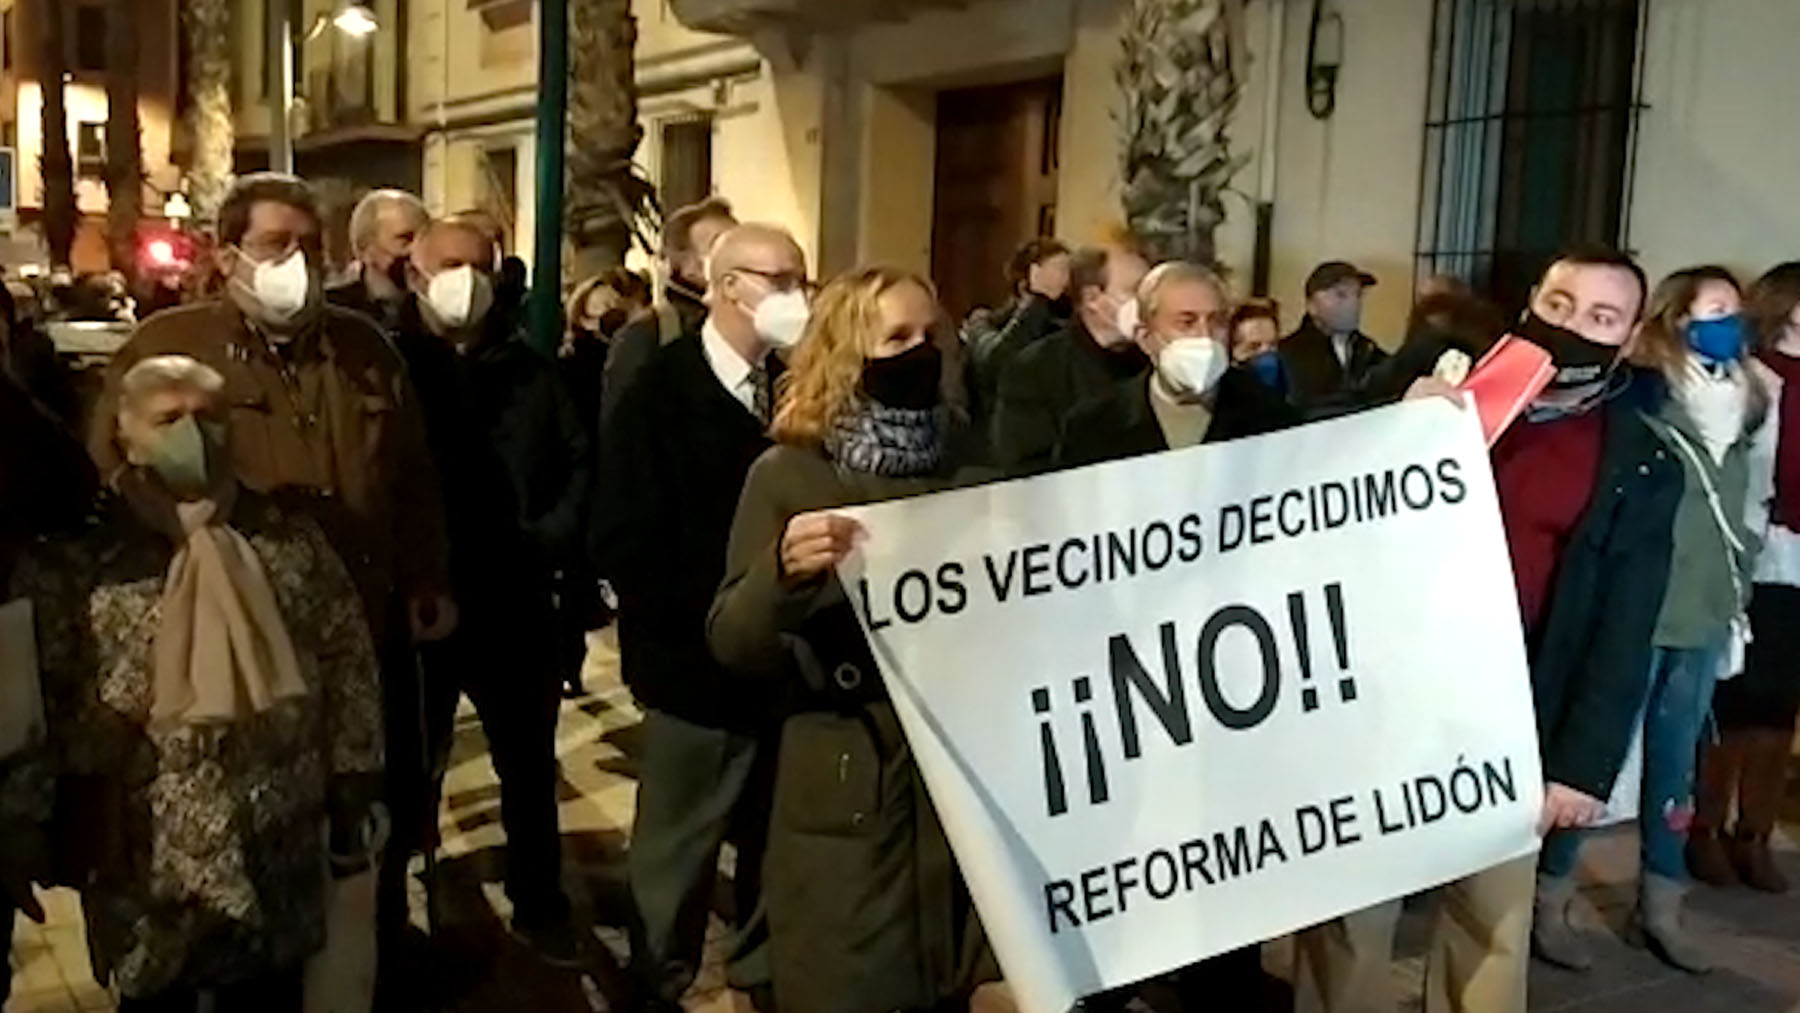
[161, 252]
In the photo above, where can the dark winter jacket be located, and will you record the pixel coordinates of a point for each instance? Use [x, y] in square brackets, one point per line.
[1043, 384]
[1592, 650]
[1010, 329]
[1120, 422]
[47, 482]
[1313, 370]
[637, 342]
[355, 295]
[583, 371]
[867, 910]
[673, 461]
[514, 462]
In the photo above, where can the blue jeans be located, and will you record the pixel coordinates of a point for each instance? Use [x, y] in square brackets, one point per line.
[1680, 697]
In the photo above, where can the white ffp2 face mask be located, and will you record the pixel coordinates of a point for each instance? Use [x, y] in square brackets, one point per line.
[1191, 366]
[460, 296]
[282, 288]
[781, 318]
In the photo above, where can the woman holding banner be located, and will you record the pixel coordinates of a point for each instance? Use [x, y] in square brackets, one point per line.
[867, 910]
[1756, 711]
[1695, 336]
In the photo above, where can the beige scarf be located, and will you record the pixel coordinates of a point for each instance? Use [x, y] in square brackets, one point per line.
[222, 652]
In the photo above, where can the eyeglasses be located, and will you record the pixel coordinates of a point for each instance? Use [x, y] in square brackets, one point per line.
[277, 247]
[782, 281]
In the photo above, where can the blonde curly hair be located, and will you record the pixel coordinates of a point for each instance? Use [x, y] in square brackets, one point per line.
[824, 380]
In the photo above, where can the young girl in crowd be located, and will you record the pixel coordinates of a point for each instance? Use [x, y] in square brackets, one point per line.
[867, 911]
[1755, 711]
[1695, 336]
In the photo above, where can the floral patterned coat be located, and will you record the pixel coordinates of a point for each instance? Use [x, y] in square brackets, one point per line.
[199, 851]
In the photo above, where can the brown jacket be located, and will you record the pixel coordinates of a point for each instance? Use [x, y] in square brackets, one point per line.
[338, 417]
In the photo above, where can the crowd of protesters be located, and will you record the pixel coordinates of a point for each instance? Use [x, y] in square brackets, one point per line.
[308, 519]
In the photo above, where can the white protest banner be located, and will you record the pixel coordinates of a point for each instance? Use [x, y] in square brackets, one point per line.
[1174, 705]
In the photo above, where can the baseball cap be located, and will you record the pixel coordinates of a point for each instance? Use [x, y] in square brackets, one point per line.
[1332, 272]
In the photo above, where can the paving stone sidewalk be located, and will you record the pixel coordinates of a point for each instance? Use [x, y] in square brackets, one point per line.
[476, 968]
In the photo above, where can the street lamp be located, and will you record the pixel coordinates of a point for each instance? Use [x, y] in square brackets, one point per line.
[356, 20]
[353, 19]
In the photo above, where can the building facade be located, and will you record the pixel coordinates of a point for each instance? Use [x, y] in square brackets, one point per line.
[84, 34]
[1469, 137]
[709, 122]
[1413, 137]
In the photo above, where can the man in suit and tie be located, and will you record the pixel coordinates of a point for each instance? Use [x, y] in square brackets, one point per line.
[1329, 353]
[675, 454]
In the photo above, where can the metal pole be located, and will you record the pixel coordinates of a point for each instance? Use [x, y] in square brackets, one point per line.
[280, 17]
[553, 102]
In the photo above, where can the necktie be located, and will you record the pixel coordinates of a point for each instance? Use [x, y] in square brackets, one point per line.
[759, 393]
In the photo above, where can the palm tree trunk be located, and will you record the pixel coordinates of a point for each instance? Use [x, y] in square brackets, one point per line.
[609, 203]
[58, 164]
[124, 145]
[1179, 80]
[207, 24]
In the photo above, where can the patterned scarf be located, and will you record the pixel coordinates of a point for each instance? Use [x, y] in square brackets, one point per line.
[1569, 402]
[891, 442]
[222, 651]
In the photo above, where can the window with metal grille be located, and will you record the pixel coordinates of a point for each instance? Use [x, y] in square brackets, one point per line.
[686, 161]
[1530, 136]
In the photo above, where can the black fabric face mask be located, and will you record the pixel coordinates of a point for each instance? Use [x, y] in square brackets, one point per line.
[612, 320]
[912, 380]
[1579, 362]
[1062, 307]
[396, 273]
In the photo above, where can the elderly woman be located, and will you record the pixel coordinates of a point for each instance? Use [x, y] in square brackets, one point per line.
[212, 711]
[867, 911]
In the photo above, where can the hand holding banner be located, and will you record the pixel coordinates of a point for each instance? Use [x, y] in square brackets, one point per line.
[1173, 705]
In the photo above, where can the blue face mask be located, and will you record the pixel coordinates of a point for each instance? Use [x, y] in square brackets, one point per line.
[1267, 368]
[1720, 340]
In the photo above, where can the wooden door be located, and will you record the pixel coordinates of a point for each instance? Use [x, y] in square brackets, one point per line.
[995, 185]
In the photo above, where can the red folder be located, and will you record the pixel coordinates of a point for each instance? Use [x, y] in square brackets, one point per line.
[1506, 379]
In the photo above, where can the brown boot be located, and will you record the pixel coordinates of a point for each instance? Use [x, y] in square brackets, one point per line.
[1709, 860]
[1760, 788]
[1755, 864]
[1715, 782]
